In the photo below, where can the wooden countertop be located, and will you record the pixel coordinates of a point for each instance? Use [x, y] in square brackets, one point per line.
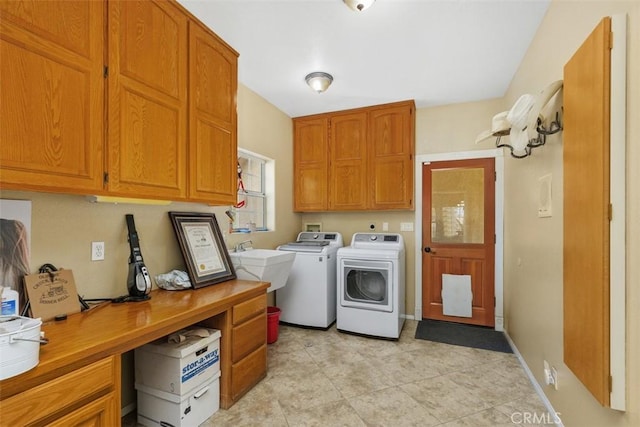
[110, 328]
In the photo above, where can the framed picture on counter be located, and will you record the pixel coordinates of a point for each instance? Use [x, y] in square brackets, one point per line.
[202, 246]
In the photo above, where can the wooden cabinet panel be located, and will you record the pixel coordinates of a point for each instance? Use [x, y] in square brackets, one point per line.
[248, 336]
[52, 135]
[391, 146]
[310, 164]
[56, 396]
[213, 70]
[147, 99]
[249, 371]
[586, 213]
[370, 163]
[248, 309]
[348, 164]
[102, 412]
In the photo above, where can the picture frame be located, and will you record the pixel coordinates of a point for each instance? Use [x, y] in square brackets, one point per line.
[202, 247]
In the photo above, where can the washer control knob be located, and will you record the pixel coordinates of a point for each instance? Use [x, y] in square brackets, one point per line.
[315, 236]
[374, 237]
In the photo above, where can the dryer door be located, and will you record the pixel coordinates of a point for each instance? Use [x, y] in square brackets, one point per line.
[366, 284]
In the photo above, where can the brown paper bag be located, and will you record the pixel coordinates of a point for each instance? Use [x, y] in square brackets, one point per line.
[52, 294]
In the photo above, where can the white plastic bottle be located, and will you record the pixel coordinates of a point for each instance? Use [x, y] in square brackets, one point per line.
[10, 302]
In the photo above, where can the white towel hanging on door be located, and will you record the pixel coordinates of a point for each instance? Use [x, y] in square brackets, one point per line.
[456, 295]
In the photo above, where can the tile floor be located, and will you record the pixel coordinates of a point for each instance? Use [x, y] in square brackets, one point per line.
[328, 378]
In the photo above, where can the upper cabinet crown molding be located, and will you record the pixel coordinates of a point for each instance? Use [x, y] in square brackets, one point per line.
[358, 159]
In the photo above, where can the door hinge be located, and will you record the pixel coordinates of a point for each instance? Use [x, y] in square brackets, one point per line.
[495, 176]
[610, 383]
[610, 212]
[610, 39]
[106, 71]
[105, 178]
[495, 239]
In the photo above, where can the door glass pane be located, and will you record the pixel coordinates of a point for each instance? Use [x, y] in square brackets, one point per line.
[457, 205]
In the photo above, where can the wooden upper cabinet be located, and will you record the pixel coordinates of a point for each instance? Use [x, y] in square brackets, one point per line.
[348, 162]
[391, 147]
[213, 82]
[370, 163]
[147, 89]
[310, 164]
[51, 137]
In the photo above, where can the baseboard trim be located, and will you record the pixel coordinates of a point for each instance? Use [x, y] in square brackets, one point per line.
[128, 409]
[534, 382]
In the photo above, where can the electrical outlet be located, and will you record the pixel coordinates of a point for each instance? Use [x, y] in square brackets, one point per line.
[385, 226]
[547, 373]
[97, 251]
[554, 377]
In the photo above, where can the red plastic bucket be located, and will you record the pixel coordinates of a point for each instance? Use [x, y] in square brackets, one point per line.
[273, 320]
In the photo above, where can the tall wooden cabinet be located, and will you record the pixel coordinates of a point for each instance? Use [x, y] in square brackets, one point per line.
[310, 164]
[391, 149]
[362, 159]
[168, 128]
[213, 83]
[52, 98]
[147, 86]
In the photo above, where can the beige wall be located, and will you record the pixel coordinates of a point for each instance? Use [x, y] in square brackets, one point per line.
[64, 226]
[533, 289]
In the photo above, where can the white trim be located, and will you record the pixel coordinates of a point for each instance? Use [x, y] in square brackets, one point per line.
[128, 409]
[536, 386]
[617, 185]
[499, 220]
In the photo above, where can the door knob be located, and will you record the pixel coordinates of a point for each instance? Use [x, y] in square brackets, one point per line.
[429, 250]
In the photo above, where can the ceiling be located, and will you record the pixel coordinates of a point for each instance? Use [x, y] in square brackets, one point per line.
[436, 52]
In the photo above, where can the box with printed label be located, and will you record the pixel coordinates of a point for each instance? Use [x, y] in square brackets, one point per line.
[158, 408]
[180, 362]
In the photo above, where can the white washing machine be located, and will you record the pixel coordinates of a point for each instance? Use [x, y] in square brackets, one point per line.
[309, 297]
[371, 284]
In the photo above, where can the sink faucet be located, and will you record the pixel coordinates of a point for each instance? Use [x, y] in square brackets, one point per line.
[240, 246]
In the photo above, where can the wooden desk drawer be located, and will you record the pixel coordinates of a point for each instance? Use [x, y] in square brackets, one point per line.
[248, 336]
[248, 309]
[248, 372]
[60, 395]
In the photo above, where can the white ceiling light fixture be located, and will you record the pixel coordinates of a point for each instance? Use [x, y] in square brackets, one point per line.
[319, 81]
[358, 5]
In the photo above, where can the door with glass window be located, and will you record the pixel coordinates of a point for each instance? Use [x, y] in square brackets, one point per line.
[458, 240]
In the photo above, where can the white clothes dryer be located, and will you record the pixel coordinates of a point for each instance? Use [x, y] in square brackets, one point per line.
[371, 285]
[309, 296]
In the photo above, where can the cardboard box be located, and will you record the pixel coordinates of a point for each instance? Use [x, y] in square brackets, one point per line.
[158, 408]
[179, 367]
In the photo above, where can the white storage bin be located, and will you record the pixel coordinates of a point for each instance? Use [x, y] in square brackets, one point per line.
[178, 368]
[158, 408]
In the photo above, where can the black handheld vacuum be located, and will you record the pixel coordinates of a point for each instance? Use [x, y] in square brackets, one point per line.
[138, 280]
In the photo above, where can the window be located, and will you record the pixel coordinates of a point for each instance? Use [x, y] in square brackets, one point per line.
[255, 194]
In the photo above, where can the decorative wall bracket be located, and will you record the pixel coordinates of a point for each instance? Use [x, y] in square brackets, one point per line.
[554, 127]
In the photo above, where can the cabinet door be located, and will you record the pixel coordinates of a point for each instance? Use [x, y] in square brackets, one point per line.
[51, 137]
[310, 164]
[348, 162]
[147, 99]
[391, 147]
[213, 81]
[102, 412]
